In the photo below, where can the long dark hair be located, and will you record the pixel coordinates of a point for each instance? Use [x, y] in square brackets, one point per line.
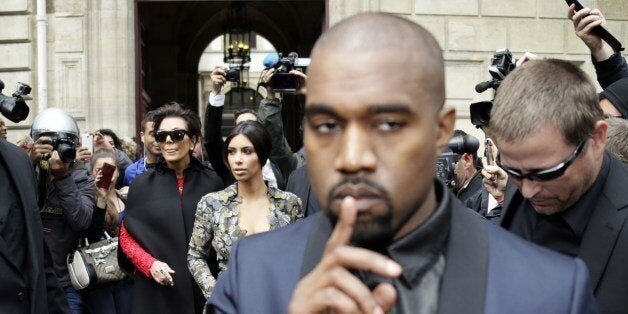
[257, 134]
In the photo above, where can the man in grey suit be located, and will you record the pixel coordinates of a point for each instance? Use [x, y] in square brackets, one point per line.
[571, 196]
[390, 236]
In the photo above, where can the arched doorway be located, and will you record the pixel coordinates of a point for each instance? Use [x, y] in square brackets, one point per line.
[172, 36]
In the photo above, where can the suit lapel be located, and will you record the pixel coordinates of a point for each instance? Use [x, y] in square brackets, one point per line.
[22, 187]
[605, 225]
[316, 241]
[463, 286]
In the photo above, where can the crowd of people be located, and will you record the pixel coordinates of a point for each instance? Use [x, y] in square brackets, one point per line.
[353, 222]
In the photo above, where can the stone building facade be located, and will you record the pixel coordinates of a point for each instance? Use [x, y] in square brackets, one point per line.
[91, 53]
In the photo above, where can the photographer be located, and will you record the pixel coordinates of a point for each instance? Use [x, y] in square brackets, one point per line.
[65, 191]
[467, 177]
[609, 65]
[214, 143]
[270, 116]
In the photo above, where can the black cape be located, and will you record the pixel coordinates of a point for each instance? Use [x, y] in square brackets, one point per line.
[161, 222]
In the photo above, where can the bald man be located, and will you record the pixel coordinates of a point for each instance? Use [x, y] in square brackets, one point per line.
[390, 237]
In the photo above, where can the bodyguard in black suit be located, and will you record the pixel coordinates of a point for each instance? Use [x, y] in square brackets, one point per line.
[27, 280]
[571, 195]
[299, 184]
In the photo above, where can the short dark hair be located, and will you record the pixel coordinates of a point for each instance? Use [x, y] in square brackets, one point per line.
[239, 112]
[257, 134]
[109, 132]
[149, 116]
[174, 109]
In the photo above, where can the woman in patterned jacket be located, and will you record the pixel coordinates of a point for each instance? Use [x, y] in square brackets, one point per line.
[246, 207]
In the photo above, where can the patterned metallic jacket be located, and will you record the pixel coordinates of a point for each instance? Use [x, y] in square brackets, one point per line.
[216, 224]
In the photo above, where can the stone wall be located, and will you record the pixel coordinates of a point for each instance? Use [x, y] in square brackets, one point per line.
[90, 57]
[469, 31]
[91, 48]
[17, 53]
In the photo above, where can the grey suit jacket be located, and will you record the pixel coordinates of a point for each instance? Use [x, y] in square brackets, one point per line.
[487, 270]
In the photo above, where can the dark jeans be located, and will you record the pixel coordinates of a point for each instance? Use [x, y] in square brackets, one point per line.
[75, 300]
[112, 298]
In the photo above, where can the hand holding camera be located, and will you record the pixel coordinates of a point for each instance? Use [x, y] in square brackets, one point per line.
[267, 76]
[219, 78]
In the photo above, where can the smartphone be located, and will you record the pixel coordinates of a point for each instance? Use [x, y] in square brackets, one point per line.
[107, 173]
[599, 30]
[87, 140]
[488, 153]
[576, 2]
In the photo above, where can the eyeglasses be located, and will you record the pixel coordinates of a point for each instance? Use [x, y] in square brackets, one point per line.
[544, 174]
[175, 135]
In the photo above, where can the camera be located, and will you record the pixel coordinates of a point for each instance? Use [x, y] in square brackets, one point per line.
[445, 167]
[62, 130]
[64, 145]
[282, 81]
[446, 162]
[501, 65]
[14, 108]
[232, 75]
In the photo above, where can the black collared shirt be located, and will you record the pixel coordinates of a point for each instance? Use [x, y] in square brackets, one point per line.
[421, 254]
[562, 231]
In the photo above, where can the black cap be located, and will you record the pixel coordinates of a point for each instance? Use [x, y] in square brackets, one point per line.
[617, 94]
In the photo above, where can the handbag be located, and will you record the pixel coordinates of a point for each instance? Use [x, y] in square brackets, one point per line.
[94, 264]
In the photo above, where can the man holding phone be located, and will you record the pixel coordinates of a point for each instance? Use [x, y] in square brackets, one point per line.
[390, 236]
[609, 64]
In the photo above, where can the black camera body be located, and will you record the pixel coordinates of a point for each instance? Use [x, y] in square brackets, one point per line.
[232, 75]
[14, 108]
[445, 165]
[501, 65]
[64, 145]
[446, 162]
[282, 81]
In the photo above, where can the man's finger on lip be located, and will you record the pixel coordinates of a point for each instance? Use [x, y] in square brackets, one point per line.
[344, 228]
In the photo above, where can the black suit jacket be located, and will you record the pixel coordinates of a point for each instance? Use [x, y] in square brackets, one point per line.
[299, 184]
[36, 283]
[604, 247]
[487, 270]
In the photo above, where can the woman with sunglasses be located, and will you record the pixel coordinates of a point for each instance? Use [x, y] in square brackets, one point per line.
[160, 214]
[246, 207]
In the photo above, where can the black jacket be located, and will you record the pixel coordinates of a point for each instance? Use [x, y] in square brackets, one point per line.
[604, 246]
[299, 184]
[161, 221]
[35, 288]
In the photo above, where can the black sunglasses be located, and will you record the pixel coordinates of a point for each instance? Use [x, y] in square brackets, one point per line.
[544, 174]
[175, 135]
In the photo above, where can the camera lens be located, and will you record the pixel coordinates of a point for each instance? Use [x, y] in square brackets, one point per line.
[66, 152]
